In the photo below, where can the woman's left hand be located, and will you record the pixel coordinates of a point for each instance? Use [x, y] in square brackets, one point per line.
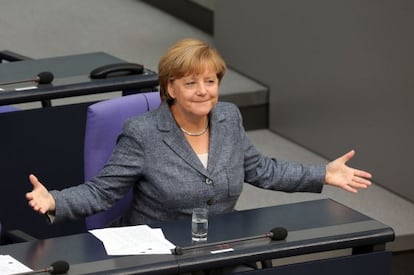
[340, 175]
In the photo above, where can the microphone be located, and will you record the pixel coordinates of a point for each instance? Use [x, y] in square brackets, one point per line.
[58, 267]
[41, 78]
[44, 78]
[276, 234]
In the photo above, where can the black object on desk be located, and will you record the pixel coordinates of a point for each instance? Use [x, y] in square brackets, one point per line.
[314, 226]
[71, 77]
[117, 69]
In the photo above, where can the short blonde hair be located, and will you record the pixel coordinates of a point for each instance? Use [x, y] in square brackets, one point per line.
[187, 57]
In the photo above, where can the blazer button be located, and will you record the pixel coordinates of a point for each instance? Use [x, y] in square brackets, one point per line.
[208, 181]
[210, 202]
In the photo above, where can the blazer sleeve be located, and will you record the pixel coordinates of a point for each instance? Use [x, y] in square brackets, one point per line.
[110, 185]
[280, 175]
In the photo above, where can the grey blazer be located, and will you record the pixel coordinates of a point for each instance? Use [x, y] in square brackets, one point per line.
[168, 179]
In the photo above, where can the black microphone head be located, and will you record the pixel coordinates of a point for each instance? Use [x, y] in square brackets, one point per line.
[45, 77]
[278, 234]
[59, 267]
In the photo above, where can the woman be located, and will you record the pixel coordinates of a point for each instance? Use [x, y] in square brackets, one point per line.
[190, 152]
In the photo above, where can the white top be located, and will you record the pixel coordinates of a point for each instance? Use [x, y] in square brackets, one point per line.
[204, 159]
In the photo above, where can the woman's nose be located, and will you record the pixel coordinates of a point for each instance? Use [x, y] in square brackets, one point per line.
[201, 89]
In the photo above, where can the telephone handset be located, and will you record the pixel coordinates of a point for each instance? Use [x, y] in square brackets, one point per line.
[117, 69]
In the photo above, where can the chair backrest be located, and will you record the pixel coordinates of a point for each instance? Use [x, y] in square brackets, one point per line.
[104, 122]
[7, 108]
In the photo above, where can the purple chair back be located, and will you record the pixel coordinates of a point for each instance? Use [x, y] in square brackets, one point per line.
[104, 122]
[7, 108]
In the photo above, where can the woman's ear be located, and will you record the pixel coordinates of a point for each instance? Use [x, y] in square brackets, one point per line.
[170, 90]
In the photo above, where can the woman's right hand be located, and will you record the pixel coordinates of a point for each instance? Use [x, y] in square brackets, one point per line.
[40, 199]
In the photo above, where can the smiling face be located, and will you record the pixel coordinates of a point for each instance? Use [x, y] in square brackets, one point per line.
[186, 59]
[194, 95]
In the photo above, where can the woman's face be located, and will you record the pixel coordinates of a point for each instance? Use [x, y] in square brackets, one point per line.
[195, 95]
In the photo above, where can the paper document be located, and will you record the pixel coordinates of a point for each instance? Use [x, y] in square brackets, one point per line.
[9, 265]
[133, 240]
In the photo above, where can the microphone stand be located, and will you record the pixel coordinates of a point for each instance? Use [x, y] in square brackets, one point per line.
[179, 250]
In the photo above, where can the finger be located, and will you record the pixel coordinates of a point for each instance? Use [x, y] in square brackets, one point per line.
[350, 189]
[35, 182]
[355, 185]
[36, 207]
[41, 210]
[345, 158]
[33, 204]
[33, 178]
[362, 181]
[362, 174]
[29, 196]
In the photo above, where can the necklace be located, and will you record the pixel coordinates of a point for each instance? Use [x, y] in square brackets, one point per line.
[197, 134]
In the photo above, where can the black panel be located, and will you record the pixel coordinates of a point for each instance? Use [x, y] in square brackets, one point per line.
[49, 143]
[374, 263]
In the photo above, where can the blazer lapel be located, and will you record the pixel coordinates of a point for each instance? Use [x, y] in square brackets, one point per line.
[174, 139]
[217, 135]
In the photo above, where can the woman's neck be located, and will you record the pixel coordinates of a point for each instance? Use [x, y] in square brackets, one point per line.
[190, 123]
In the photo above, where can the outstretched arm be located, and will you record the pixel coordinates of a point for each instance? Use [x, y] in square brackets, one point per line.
[340, 175]
[39, 198]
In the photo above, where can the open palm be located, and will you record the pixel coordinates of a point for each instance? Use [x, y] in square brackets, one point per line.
[340, 175]
[39, 198]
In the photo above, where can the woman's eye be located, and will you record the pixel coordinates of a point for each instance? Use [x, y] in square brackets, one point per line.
[191, 83]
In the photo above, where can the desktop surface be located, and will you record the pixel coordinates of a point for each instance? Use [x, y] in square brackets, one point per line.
[313, 226]
[71, 78]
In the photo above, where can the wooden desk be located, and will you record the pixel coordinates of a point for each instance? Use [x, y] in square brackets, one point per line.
[314, 226]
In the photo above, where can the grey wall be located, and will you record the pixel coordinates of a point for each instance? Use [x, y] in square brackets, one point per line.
[340, 73]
